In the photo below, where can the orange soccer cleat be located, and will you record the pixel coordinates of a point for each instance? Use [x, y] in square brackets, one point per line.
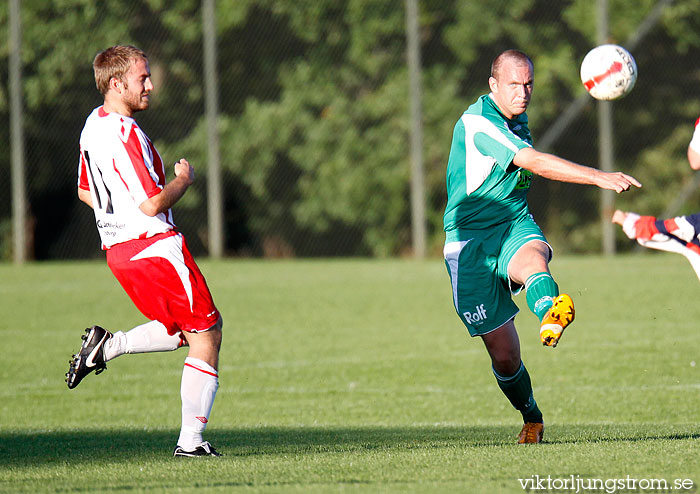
[531, 433]
[559, 316]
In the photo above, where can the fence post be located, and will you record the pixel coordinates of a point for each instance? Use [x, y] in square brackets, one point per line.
[211, 97]
[606, 151]
[417, 180]
[19, 201]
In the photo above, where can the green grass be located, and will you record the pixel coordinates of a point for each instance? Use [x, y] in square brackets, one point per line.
[352, 376]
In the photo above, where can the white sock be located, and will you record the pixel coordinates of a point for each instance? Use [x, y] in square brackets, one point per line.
[198, 389]
[149, 337]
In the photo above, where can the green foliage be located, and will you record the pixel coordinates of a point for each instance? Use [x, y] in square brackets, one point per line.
[476, 28]
[315, 114]
[683, 22]
[624, 18]
[664, 167]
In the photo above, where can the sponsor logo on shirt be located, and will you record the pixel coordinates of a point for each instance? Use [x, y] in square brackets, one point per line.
[524, 179]
[477, 317]
[109, 224]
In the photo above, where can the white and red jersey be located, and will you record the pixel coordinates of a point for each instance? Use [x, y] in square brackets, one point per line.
[695, 141]
[121, 168]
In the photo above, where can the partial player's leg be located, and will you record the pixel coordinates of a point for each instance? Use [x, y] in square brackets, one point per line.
[205, 345]
[684, 229]
[528, 266]
[636, 226]
[163, 265]
[619, 217]
[200, 381]
[150, 337]
[558, 317]
[483, 302]
[90, 357]
[512, 377]
[680, 234]
[105, 346]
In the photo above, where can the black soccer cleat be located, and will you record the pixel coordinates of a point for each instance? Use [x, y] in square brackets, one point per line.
[204, 449]
[90, 357]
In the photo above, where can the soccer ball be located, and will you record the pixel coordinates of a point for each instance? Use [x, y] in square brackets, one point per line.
[608, 72]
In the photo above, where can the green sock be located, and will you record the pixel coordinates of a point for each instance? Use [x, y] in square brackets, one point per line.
[518, 390]
[540, 291]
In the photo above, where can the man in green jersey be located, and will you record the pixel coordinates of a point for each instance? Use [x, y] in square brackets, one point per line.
[493, 246]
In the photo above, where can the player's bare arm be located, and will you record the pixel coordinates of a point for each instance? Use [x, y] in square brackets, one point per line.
[693, 158]
[555, 168]
[84, 195]
[172, 192]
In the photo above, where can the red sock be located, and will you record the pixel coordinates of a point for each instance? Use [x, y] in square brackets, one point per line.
[645, 227]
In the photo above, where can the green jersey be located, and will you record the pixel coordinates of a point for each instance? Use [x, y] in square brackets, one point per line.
[484, 188]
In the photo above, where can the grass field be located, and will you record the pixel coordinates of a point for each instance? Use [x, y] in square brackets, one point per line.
[353, 376]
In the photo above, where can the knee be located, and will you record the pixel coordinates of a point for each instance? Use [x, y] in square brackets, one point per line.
[506, 364]
[209, 339]
[217, 334]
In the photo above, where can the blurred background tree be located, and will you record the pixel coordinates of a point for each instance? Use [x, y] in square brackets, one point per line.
[314, 115]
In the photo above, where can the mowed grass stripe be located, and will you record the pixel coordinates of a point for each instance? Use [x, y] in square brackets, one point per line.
[352, 376]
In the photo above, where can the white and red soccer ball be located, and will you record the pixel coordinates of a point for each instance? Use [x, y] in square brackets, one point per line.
[608, 72]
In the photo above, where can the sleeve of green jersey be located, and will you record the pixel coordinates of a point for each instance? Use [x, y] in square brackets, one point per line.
[502, 150]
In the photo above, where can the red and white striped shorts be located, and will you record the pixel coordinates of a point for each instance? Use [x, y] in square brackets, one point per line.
[161, 278]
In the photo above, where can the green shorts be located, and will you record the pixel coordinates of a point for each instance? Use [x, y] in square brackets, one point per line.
[477, 261]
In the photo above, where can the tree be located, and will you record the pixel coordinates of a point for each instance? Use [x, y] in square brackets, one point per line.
[314, 112]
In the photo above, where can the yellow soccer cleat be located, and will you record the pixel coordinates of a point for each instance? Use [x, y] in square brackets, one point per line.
[531, 433]
[559, 316]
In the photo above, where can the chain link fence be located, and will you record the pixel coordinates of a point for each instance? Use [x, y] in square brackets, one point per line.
[314, 114]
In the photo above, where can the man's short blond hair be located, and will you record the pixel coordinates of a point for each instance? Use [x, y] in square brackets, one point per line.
[114, 62]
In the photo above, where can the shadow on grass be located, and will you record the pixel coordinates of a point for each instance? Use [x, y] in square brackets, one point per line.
[81, 446]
